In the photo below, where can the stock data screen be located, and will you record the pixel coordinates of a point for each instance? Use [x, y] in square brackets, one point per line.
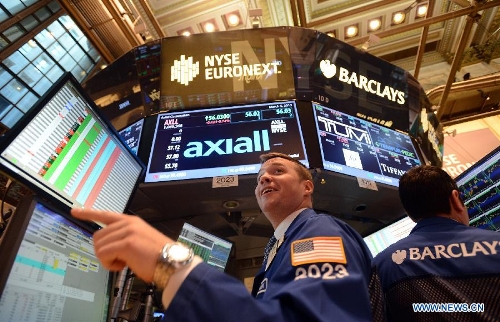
[222, 141]
[213, 250]
[383, 238]
[359, 148]
[132, 135]
[55, 276]
[68, 151]
[147, 59]
[480, 191]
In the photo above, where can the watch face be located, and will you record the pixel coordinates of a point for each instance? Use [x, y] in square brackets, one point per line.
[178, 253]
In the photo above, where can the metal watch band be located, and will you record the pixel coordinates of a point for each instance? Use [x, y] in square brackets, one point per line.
[162, 274]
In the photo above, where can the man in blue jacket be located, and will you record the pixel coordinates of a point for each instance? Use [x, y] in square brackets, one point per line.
[318, 268]
[444, 270]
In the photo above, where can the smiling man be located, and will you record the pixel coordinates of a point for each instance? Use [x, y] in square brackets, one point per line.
[318, 269]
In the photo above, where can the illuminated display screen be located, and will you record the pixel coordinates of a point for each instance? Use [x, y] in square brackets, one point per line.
[383, 238]
[132, 135]
[355, 147]
[358, 83]
[147, 59]
[49, 269]
[64, 148]
[479, 188]
[213, 250]
[148, 63]
[222, 141]
[429, 133]
[225, 68]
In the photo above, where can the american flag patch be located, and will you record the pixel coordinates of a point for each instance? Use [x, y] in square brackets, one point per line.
[318, 249]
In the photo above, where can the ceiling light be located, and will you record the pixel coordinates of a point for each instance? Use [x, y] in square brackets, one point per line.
[398, 18]
[374, 24]
[331, 33]
[351, 31]
[209, 27]
[233, 20]
[185, 32]
[421, 11]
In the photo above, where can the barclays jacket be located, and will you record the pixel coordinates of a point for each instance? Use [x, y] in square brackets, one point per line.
[443, 266]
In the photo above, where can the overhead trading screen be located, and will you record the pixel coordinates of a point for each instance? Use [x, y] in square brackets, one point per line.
[222, 141]
[356, 147]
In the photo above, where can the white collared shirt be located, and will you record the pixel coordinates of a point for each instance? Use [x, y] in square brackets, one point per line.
[279, 234]
[280, 231]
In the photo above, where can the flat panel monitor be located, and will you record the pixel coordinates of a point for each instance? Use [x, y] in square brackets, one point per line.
[225, 68]
[383, 238]
[132, 135]
[358, 83]
[353, 146]
[213, 250]
[479, 188]
[66, 150]
[49, 269]
[222, 141]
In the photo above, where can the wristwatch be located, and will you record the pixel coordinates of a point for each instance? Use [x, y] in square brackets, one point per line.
[172, 257]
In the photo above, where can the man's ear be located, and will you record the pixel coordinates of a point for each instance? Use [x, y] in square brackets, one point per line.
[308, 187]
[458, 209]
[456, 202]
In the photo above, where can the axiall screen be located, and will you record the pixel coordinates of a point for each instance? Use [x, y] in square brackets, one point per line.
[223, 141]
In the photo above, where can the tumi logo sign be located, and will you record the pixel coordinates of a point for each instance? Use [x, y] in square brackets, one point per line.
[330, 70]
[345, 130]
[258, 141]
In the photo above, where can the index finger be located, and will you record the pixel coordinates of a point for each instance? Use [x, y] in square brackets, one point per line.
[98, 216]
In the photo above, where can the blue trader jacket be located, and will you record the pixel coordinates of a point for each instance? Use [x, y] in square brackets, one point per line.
[309, 288]
[442, 261]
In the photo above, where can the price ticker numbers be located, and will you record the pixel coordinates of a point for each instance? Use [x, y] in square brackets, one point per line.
[218, 118]
[172, 156]
[171, 166]
[252, 114]
[175, 147]
[246, 116]
[287, 111]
